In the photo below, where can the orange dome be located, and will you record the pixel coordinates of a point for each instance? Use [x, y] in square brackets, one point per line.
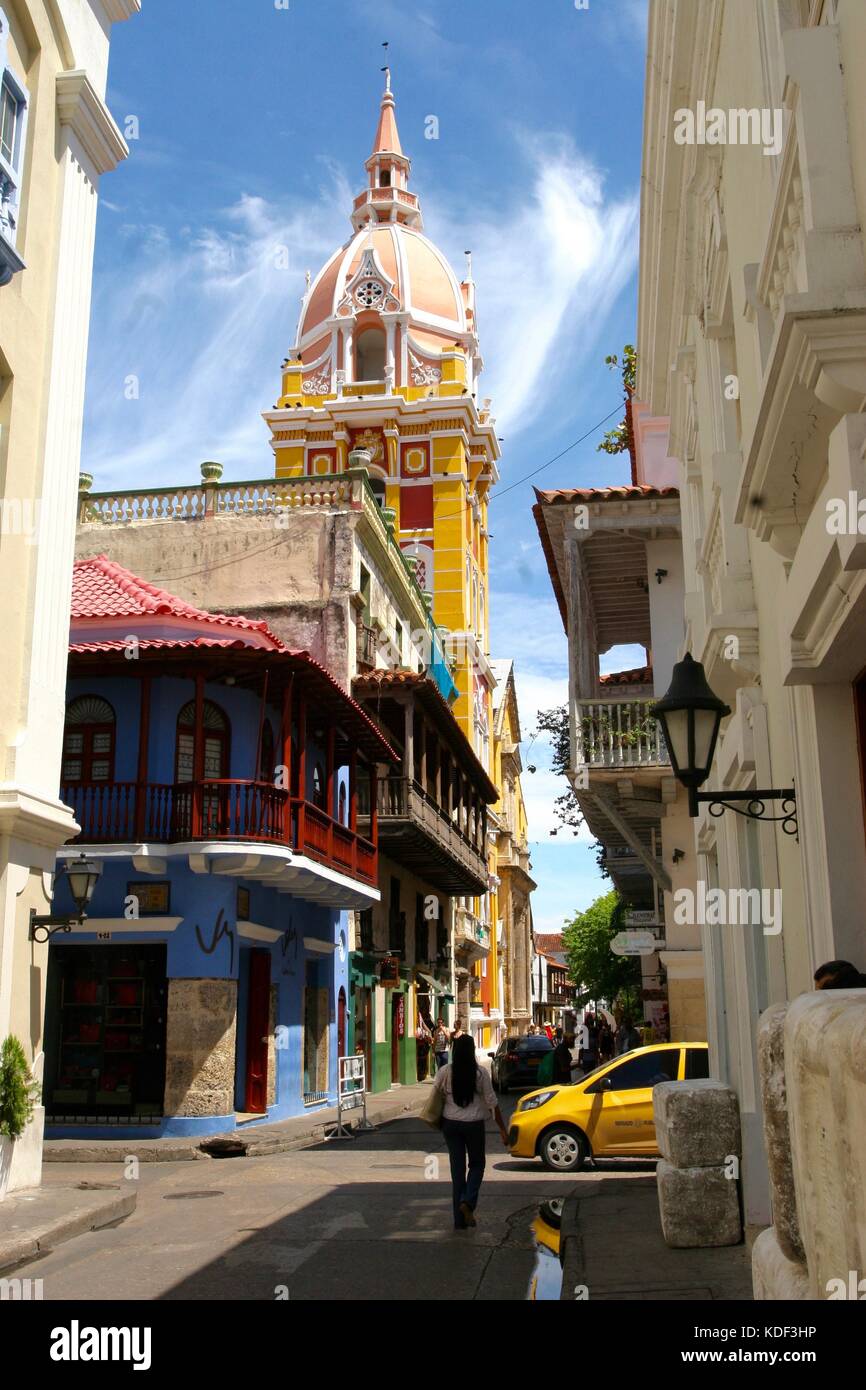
[403, 271]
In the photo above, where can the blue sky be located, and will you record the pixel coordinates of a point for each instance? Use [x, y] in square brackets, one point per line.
[253, 125]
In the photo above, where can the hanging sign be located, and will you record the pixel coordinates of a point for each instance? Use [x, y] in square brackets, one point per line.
[634, 943]
[389, 972]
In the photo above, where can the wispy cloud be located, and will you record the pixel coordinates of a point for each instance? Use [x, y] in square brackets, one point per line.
[549, 270]
[202, 317]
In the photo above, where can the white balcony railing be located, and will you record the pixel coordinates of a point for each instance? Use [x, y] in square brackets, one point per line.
[618, 733]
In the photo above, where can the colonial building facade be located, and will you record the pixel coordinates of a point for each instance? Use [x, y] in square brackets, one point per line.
[216, 777]
[58, 139]
[751, 341]
[375, 527]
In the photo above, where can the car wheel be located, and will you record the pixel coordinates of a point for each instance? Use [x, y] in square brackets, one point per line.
[563, 1149]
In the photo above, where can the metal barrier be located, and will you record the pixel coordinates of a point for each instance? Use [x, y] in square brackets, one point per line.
[351, 1095]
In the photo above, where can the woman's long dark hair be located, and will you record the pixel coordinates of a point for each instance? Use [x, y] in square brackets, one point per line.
[464, 1071]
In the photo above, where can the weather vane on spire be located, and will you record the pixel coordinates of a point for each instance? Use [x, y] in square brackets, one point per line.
[386, 69]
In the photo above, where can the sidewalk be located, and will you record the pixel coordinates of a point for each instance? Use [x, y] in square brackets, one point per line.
[611, 1245]
[36, 1219]
[249, 1141]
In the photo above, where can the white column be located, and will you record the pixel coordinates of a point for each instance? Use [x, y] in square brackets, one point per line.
[91, 144]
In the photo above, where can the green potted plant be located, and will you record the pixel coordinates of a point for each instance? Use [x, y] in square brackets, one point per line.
[20, 1142]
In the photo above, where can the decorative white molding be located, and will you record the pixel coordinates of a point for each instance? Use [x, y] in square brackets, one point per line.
[118, 10]
[253, 932]
[81, 108]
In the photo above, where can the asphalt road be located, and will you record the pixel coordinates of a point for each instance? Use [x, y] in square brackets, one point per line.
[368, 1218]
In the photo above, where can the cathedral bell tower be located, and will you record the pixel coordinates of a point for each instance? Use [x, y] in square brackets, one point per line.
[386, 358]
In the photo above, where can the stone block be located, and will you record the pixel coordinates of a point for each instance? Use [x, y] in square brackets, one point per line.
[825, 1068]
[698, 1206]
[697, 1123]
[774, 1275]
[200, 1047]
[777, 1136]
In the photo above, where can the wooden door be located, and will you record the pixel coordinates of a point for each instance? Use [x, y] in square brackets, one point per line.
[258, 1025]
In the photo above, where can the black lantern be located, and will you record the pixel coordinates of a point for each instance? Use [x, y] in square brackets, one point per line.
[82, 875]
[690, 714]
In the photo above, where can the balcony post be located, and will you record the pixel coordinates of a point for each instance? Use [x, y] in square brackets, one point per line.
[302, 767]
[353, 790]
[409, 741]
[141, 774]
[374, 807]
[329, 769]
[424, 755]
[286, 753]
[198, 758]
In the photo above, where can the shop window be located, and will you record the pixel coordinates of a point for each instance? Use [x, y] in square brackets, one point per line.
[105, 1024]
[89, 740]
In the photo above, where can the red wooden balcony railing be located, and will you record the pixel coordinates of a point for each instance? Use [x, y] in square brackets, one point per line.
[165, 812]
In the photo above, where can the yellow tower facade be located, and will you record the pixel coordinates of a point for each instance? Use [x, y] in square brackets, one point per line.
[387, 361]
[384, 374]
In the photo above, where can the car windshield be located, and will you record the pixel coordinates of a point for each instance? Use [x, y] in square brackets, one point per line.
[535, 1044]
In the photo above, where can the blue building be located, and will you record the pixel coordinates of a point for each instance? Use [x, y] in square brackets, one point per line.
[214, 774]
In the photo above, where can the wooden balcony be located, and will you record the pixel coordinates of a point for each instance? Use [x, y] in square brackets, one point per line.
[226, 810]
[618, 734]
[419, 833]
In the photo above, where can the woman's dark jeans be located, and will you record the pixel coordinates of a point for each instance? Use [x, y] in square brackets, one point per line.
[465, 1142]
[441, 1060]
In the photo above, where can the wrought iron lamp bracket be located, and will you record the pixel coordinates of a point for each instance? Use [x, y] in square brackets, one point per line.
[753, 805]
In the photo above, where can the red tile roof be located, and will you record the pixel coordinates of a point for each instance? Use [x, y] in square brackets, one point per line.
[546, 942]
[563, 496]
[641, 675]
[625, 492]
[103, 589]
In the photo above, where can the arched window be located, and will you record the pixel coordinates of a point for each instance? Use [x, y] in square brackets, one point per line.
[88, 740]
[370, 355]
[216, 742]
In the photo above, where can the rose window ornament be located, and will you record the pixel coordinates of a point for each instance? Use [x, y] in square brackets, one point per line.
[369, 293]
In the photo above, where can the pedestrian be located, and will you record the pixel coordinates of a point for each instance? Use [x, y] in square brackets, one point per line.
[605, 1042]
[589, 1048]
[440, 1044]
[563, 1064]
[627, 1037]
[549, 1031]
[647, 1033]
[423, 1043]
[457, 1031]
[838, 974]
[468, 1099]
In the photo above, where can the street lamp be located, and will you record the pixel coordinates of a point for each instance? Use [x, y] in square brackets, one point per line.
[82, 875]
[691, 714]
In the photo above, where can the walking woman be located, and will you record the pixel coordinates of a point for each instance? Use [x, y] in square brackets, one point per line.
[468, 1099]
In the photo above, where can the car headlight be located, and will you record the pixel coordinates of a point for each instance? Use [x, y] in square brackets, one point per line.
[533, 1102]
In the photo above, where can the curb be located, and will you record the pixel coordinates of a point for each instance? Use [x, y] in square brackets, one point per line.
[254, 1143]
[23, 1241]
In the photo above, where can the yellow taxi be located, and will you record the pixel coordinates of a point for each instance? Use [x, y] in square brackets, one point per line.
[606, 1114]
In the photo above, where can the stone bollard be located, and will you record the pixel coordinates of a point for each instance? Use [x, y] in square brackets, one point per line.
[825, 1071]
[698, 1132]
[777, 1136]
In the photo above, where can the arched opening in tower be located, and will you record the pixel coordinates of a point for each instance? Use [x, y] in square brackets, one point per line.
[370, 355]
